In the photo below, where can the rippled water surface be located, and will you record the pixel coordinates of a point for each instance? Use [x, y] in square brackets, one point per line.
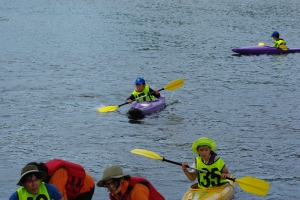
[61, 60]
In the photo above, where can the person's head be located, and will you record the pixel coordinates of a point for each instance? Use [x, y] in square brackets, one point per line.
[42, 167]
[204, 147]
[112, 179]
[140, 84]
[31, 178]
[275, 34]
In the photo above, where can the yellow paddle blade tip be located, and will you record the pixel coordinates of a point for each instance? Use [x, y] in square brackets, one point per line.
[107, 109]
[146, 153]
[174, 84]
[139, 151]
[261, 44]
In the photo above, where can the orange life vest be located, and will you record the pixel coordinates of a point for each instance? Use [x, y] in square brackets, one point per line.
[154, 194]
[76, 175]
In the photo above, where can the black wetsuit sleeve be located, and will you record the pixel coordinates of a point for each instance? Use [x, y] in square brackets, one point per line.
[131, 97]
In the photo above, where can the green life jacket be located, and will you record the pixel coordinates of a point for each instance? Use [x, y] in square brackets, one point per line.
[145, 93]
[41, 195]
[280, 44]
[210, 179]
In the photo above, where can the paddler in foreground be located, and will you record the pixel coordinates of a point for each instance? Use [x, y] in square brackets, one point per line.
[63, 174]
[125, 187]
[208, 160]
[33, 186]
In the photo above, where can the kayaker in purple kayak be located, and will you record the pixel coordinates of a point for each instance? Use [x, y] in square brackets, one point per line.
[142, 92]
[279, 47]
[278, 42]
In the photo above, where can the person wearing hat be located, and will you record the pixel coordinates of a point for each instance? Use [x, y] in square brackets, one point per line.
[33, 187]
[207, 160]
[73, 182]
[142, 92]
[278, 42]
[126, 187]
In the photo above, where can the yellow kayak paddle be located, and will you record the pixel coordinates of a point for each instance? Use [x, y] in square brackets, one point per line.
[170, 86]
[249, 184]
[153, 155]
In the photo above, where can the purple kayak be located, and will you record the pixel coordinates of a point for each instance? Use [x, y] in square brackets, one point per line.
[140, 109]
[258, 50]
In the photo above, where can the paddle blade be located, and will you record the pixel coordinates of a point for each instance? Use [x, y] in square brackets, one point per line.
[146, 153]
[107, 109]
[254, 185]
[174, 84]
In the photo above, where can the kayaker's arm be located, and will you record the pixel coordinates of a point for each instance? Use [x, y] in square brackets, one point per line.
[224, 173]
[155, 93]
[191, 175]
[130, 99]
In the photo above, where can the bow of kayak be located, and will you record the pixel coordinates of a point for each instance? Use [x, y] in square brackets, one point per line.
[140, 109]
[223, 192]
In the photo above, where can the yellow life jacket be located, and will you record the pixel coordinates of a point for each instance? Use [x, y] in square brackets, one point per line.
[210, 179]
[145, 93]
[41, 195]
[280, 44]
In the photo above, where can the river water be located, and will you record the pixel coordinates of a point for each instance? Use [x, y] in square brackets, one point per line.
[61, 60]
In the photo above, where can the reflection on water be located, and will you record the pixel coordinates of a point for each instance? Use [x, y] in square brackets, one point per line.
[135, 121]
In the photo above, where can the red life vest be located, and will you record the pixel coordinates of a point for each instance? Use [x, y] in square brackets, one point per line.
[154, 194]
[76, 175]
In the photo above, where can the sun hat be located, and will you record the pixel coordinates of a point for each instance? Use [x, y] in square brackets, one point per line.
[203, 142]
[139, 81]
[31, 169]
[275, 34]
[110, 173]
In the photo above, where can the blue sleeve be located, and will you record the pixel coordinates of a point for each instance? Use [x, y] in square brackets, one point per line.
[14, 196]
[53, 192]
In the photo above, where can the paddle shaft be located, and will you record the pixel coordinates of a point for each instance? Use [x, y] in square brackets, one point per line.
[178, 163]
[123, 104]
[232, 179]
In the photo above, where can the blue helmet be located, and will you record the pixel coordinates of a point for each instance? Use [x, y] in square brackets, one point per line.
[275, 34]
[139, 81]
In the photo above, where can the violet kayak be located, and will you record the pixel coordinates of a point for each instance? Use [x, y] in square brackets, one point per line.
[258, 50]
[140, 109]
